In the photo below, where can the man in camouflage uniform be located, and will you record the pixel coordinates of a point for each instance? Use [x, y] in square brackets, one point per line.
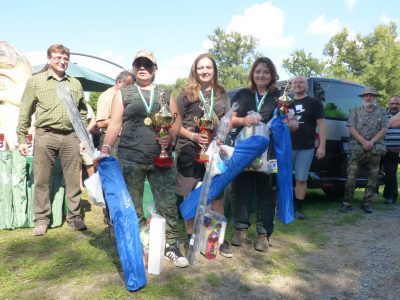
[367, 125]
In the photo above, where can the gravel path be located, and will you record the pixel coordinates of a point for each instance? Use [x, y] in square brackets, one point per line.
[361, 261]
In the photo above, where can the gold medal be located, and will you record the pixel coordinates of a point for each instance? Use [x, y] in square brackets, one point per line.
[147, 121]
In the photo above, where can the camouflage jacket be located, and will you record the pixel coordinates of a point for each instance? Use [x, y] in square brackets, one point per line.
[368, 124]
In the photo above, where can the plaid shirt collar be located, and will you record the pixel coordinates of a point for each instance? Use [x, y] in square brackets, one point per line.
[51, 74]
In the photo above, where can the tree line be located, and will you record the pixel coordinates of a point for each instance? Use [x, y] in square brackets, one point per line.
[372, 59]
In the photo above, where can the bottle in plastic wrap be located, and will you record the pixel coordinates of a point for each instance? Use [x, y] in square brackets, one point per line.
[212, 245]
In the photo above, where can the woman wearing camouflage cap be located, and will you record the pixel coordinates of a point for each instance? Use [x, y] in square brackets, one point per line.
[132, 110]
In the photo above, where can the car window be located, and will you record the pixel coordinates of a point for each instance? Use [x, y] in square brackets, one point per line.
[232, 94]
[338, 98]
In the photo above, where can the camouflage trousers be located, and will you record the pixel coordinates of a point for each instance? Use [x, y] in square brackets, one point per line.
[162, 184]
[373, 163]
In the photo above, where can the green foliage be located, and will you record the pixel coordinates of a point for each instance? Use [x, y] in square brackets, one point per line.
[332, 111]
[179, 85]
[234, 54]
[382, 49]
[176, 88]
[301, 64]
[93, 97]
[344, 56]
[372, 60]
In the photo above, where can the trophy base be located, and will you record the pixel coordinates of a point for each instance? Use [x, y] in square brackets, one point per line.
[202, 158]
[163, 162]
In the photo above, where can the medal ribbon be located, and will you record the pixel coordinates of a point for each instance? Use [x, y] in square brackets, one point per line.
[203, 100]
[260, 102]
[150, 106]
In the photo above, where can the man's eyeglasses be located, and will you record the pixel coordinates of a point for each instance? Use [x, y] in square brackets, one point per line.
[147, 64]
[59, 58]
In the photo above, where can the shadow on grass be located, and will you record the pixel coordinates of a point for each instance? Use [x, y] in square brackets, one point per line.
[105, 241]
[29, 263]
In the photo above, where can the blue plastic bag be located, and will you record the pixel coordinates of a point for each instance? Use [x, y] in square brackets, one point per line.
[283, 154]
[125, 221]
[245, 152]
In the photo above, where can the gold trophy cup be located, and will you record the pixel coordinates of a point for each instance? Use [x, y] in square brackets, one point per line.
[162, 121]
[205, 127]
[284, 101]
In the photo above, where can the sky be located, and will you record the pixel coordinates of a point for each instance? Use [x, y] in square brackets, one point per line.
[177, 31]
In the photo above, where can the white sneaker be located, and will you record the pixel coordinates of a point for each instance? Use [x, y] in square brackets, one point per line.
[173, 254]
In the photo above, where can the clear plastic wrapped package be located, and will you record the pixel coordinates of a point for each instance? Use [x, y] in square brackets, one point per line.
[262, 163]
[212, 233]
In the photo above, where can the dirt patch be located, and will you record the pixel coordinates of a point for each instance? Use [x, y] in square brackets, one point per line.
[360, 260]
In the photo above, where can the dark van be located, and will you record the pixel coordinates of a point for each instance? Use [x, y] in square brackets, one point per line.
[338, 98]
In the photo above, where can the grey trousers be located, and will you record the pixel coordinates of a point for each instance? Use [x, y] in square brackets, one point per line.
[48, 145]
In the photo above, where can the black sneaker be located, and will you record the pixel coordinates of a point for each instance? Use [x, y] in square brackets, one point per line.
[173, 254]
[225, 249]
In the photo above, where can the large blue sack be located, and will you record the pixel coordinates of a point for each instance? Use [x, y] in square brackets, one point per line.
[283, 154]
[245, 152]
[125, 221]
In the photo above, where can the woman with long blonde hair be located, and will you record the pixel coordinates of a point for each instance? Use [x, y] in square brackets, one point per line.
[202, 95]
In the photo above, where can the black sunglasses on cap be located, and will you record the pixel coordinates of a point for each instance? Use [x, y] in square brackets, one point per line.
[146, 63]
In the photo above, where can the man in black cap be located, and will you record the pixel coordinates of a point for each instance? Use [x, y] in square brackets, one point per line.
[367, 125]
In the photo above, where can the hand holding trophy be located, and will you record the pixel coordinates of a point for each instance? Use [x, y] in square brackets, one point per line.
[284, 101]
[205, 126]
[162, 121]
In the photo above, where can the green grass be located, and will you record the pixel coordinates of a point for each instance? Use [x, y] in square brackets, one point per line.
[349, 219]
[87, 263]
[175, 286]
[213, 279]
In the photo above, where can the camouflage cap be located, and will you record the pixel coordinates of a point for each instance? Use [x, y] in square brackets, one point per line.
[147, 54]
[369, 91]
